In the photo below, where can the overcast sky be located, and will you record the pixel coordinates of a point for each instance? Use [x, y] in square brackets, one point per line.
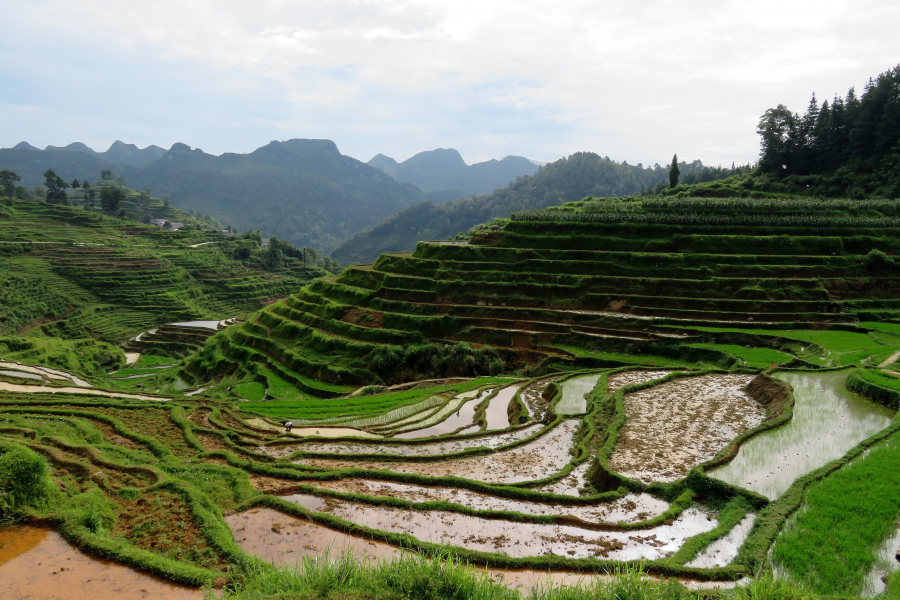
[634, 80]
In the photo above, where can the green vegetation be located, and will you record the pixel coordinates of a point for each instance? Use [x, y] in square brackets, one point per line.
[257, 191]
[754, 357]
[831, 545]
[568, 179]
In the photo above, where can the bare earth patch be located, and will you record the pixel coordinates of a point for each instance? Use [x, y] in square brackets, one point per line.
[620, 380]
[673, 427]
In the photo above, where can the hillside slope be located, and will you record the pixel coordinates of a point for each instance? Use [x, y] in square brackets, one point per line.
[445, 169]
[302, 191]
[568, 179]
[75, 274]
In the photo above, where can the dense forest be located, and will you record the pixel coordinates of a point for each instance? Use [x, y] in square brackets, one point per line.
[848, 147]
[581, 174]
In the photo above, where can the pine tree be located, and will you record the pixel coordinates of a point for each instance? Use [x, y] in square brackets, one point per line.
[674, 172]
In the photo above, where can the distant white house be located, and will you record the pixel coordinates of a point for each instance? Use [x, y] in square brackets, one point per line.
[161, 223]
[265, 243]
[226, 233]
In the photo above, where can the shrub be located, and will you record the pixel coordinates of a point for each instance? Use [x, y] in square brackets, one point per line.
[23, 480]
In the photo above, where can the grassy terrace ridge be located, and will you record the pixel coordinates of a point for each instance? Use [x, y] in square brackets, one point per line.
[805, 282]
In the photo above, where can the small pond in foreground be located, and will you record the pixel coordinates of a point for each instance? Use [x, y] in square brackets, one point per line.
[828, 421]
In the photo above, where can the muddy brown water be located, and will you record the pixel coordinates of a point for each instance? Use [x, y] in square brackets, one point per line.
[497, 412]
[573, 399]
[573, 483]
[435, 449]
[38, 564]
[828, 421]
[517, 539]
[673, 427]
[537, 459]
[281, 539]
[628, 509]
[620, 380]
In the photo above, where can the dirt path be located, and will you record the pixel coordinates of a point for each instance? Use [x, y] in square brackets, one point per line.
[891, 359]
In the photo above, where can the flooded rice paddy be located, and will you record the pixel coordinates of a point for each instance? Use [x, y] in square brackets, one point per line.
[285, 540]
[38, 564]
[427, 449]
[574, 392]
[459, 412]
[620, 380]
[497, 412]
[724, 550]
[673, 427]
[887, 562]
[533, 397]
[517, 539]
[628, 509]
[828, 421]
[537, 459]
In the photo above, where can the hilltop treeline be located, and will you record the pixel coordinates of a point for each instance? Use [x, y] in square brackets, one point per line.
[848, 147]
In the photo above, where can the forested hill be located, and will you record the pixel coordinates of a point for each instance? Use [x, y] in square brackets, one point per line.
[848, 147]
[445, 169]
[568, 179]
[301, 191]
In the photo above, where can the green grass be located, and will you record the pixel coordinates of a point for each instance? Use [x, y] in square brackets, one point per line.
[880, 378]
[831, 545]
[251, 390]
[882, 326]
[637, 359]
[357, 405]
[755, 357]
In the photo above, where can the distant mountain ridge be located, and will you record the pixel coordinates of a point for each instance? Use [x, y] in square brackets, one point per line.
[302, 191]
[119, 152]
[581, 174]
[444, 169]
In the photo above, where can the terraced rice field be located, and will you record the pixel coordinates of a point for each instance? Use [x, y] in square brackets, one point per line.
[572, 394]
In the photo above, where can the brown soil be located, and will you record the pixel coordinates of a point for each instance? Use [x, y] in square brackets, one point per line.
[363, 317]
[273, 485]
[620, 380]
[673, 427]
[151, 422]
[162, 523]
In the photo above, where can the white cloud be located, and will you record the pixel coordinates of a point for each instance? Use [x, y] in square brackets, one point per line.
[634, 81]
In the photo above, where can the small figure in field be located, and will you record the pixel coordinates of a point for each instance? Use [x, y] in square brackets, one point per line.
[287, 426]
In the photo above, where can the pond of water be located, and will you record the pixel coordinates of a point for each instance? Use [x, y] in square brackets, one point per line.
[628, 509]
[828, 421]
[38, 564]
[518, 539]
[21, 374]
[497, 411]
[573, 401]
